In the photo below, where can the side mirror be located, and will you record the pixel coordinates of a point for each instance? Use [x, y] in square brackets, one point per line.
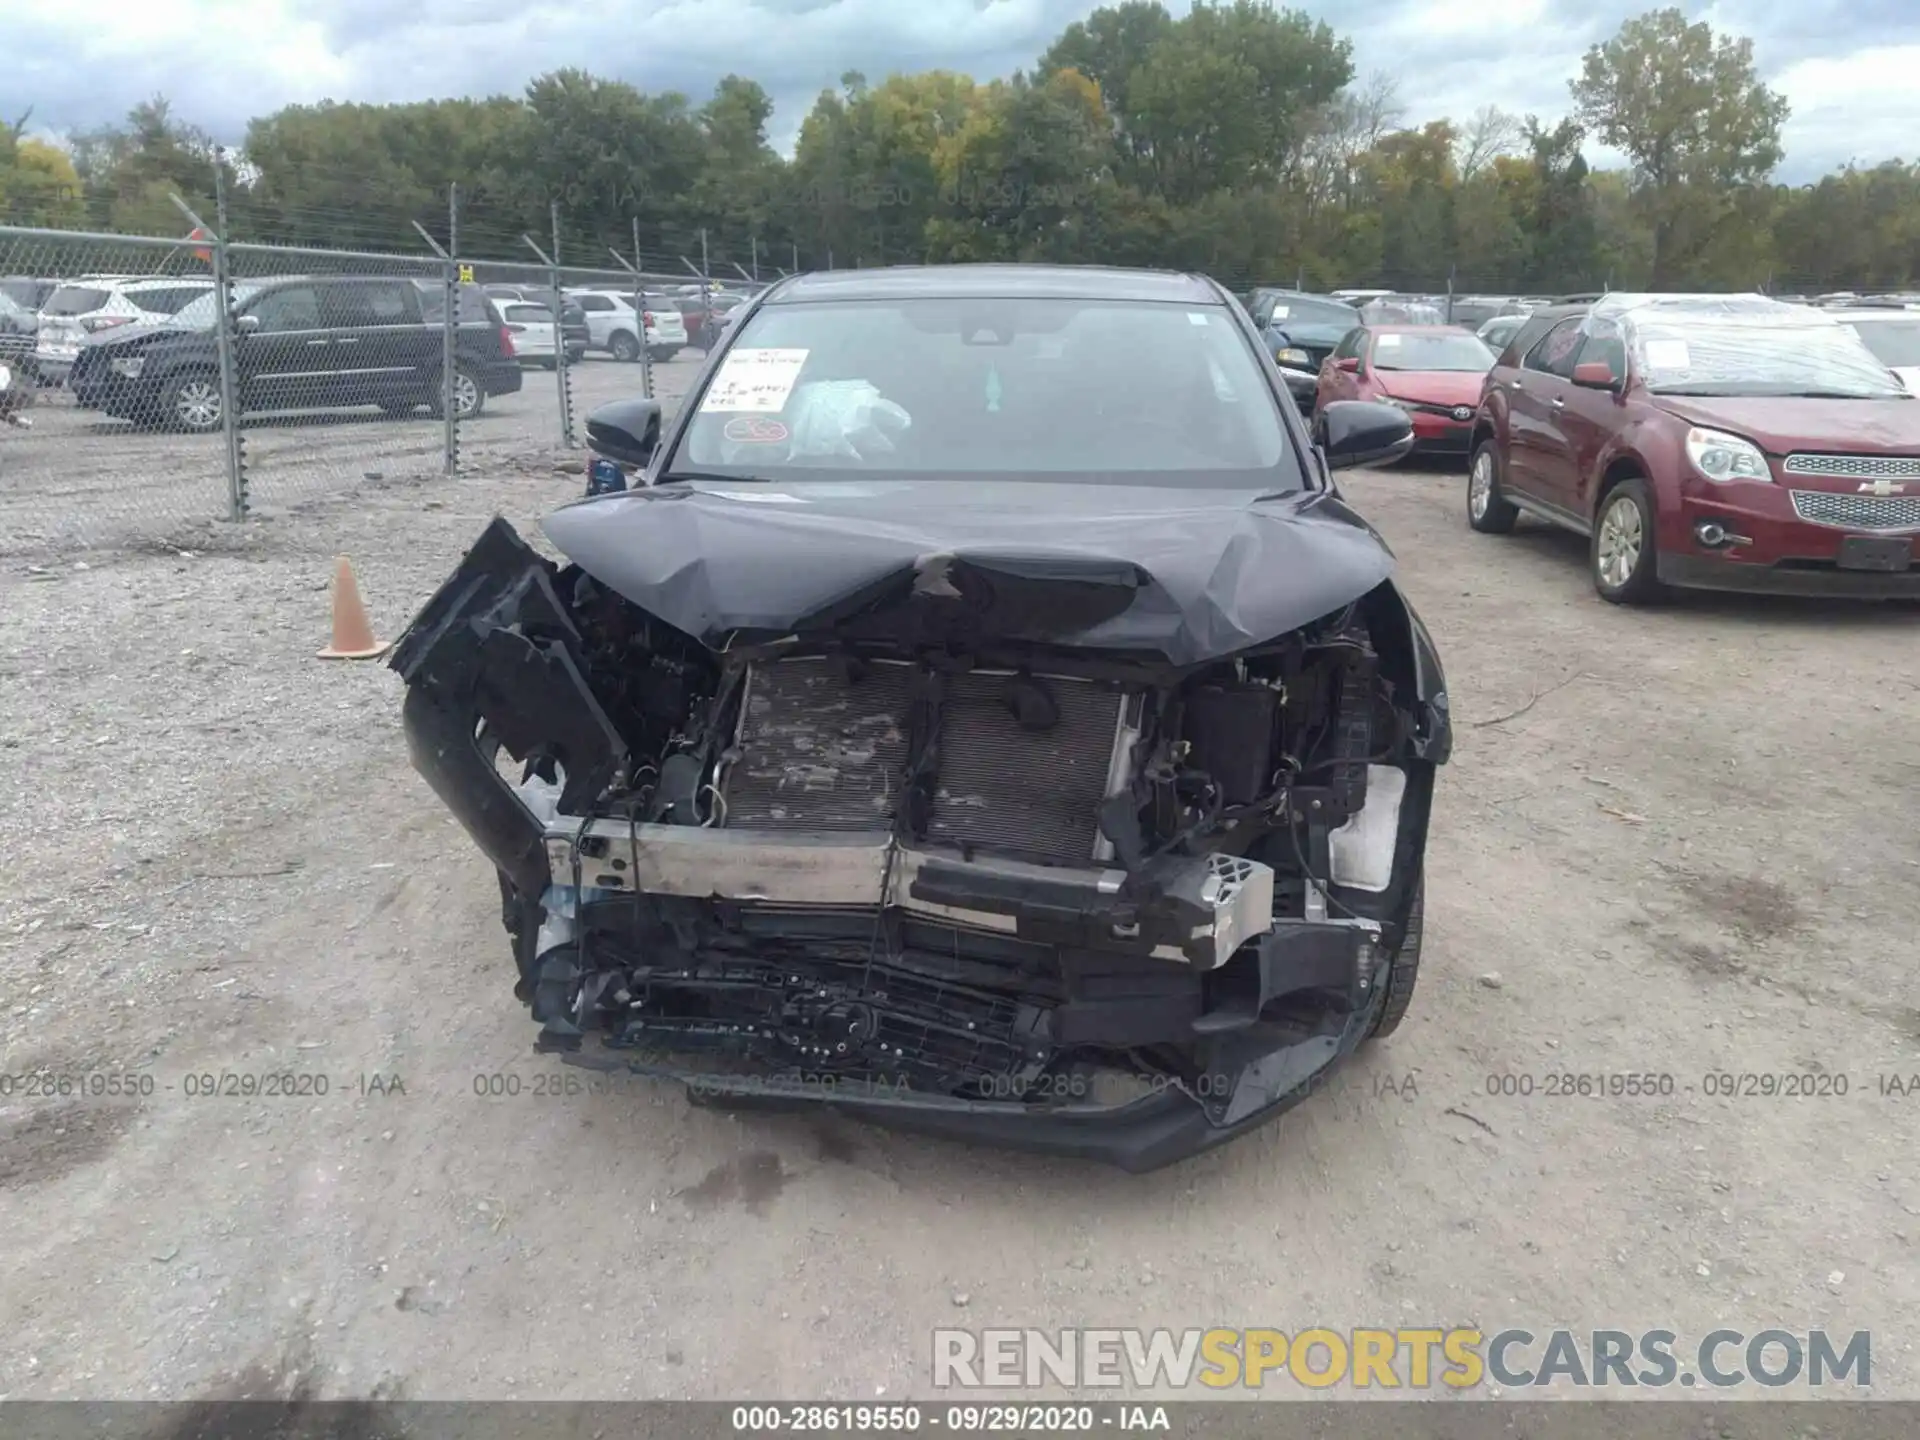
[1596, 375]
[246, 324]
[1348, 363]
[1363, 432]
[627, 431]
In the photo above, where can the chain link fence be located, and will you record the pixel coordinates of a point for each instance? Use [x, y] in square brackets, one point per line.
[173, 380]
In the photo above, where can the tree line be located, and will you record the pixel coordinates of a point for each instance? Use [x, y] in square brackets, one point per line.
[1237, 140]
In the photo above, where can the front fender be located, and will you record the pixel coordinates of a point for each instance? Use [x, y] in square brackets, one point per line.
[1409, 658]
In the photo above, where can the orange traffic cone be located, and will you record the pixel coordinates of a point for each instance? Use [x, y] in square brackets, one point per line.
[352, 634]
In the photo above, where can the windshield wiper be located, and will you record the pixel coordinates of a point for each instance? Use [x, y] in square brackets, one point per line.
[1849, 395]
[714, 477]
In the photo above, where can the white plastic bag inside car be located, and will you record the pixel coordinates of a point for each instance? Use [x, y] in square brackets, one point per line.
[831, 419]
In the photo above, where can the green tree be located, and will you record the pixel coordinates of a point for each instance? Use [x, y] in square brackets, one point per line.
[38, 184]
[1699, 126]
[131, 170]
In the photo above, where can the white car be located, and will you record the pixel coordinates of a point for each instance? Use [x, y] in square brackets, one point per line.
[89, 305]
[611, 327]
[1893, 335]
[532, 329]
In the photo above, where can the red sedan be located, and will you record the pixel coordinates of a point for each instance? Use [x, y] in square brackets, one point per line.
[1433, 372]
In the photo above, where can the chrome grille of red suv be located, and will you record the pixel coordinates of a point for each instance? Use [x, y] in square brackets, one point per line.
[1858, 512]
[1851, 467]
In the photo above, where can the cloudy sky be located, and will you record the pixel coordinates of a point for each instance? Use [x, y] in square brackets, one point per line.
[1847, 66]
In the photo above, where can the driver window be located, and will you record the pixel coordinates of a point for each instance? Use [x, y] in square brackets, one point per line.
[1554, 354]
[1604, 346]
[295, 307]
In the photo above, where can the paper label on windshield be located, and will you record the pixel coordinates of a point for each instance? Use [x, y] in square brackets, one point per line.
[1388, 342]
[754, 382]
[1667, 355]
[1279, 312]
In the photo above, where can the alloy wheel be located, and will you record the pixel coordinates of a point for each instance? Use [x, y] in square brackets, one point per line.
[1621, 538]
[466, 395]
[197, 403]
[1480, 485]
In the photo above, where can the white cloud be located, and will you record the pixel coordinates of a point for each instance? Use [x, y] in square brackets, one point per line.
[224, 61]
[1862, 106]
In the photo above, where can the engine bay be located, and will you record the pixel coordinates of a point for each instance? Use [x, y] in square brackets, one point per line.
[930, 858]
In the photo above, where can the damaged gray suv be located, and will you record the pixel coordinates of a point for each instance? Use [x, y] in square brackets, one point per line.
[982, 716]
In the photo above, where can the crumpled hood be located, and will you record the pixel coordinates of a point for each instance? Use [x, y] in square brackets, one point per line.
[1187, 574]
[1781, 424]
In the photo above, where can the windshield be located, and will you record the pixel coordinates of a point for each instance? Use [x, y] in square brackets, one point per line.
[75, 300]
[1497, 333]
[199, 313]
[1296, 310]
[529, 315]
[1401, 312]
[1730, 358]
[1893, 342]
[1401, 350]
[1014, 388]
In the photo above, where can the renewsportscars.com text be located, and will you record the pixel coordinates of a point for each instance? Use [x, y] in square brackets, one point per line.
[1400, 1358]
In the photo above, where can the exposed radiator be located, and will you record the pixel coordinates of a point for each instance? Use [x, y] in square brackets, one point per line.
[1030, 794]
[823, 748]
[819, 751]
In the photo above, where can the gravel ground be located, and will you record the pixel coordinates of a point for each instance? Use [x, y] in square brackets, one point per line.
[1675, 842]
[77, 480]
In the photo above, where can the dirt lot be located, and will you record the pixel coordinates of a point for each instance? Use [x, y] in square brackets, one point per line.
[1677, 842]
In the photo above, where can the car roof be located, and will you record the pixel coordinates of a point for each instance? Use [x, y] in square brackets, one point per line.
[1706, 308]
[999, 282]
[1875, 312]
[1395, 327]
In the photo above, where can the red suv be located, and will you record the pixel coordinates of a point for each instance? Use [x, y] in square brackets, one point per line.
[1724, 442]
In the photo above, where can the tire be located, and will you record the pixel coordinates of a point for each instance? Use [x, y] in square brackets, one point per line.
[575, 354]
[469, 395]
[191, 402]
[660, 354]
[1403, 971]
[1623, 556]
[623, 347]
[1488, 511]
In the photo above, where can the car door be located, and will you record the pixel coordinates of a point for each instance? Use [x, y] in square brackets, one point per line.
[283, 354]
[384, 350]
[1589, 418]
[1534, 443]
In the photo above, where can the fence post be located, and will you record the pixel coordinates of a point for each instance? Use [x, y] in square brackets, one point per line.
[563, 377]
[639, 309]
[223, 337]
[553, 275]
[449, 327]
[450, 422]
